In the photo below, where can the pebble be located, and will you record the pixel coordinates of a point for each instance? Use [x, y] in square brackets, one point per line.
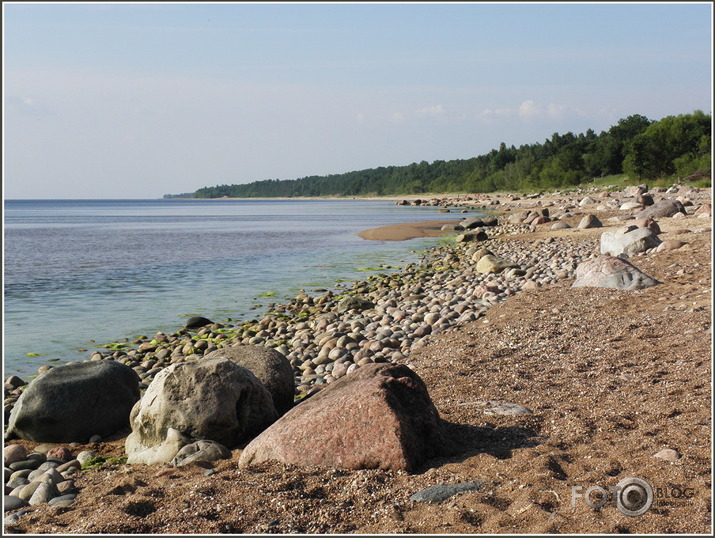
[442, 492]
[14, 453]
[10, 502]
[85, 456]
[667, 454]
[44, 493]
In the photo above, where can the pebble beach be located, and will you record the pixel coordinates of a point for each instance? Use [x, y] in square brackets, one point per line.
[391, 316]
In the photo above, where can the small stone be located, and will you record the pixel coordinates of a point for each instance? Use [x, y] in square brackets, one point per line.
[85, 456]
[442, 492]
[10, 502]
[44, 492]
[95, 439]
[667, 454]
[63, 500]
[59, 452]
[506, 408]
[14, 453]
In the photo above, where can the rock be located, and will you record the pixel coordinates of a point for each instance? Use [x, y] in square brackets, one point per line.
[452, 228]
[646, 199]
[72, 402]
[586, 201]
[386, 421]
[589, 221]
[670, 244]
[667, 454]
[471, 223]
[560, 226]
[506, 408]
[628, 240]
[197, 322]
[85, 456]
[628, 206]
[10, 502]
[354, 302]
[664, 208]
[13, 453]
[213, 399]
[442, 492]
[14, 382]
[475, 235]
[493, 264]
[44, 493]
[635, 190]
[705, 210]
[60, 453]
[611, 272]
[647, 223]
[203, 450]
[270, 367]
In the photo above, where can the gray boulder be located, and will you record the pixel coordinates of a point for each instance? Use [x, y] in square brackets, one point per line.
[213, 399]
[611, 272]
[269, 366]
[664, 208]
[628, 240]
[74, 402]
[589, 221]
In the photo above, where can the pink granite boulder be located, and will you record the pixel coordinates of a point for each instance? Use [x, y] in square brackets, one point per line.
[378, 417]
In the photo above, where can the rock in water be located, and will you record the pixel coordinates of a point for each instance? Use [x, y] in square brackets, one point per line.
[611, 272]
[73, 402]
[197, 322]
[378, 417]
[628, 240]
[213, 399]
[269, 366]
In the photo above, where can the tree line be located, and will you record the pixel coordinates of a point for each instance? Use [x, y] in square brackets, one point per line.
[641, 148]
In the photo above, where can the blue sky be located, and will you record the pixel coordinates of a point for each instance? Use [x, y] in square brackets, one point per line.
[118, 100]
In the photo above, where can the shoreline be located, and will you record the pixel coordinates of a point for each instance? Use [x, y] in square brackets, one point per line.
[465, 304]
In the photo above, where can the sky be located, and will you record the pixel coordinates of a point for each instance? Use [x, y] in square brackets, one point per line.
[138, 100]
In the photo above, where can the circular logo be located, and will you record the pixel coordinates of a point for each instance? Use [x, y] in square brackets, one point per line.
[633, 496]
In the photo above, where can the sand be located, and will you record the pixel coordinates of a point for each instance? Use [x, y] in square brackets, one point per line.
[612, 377]
[409, 230]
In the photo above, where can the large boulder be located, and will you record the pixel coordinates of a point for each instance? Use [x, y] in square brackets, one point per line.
[213, 399]
[628, 240]
[664, 208]
[378, 417]
[269, 366]
[75, 402]
[611, 272]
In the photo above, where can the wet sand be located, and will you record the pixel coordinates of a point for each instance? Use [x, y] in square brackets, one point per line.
[409, 230]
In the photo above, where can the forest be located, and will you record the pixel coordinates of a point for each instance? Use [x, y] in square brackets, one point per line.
[644, 150]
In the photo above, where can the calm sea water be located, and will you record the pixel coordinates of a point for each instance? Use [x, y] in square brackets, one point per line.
[102, 270]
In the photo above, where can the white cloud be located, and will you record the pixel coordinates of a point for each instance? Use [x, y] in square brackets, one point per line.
[430, 111]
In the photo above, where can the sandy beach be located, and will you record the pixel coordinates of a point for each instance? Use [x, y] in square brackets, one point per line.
[611, 377]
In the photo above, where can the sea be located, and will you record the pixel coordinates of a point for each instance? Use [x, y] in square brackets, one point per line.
[79, 274]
